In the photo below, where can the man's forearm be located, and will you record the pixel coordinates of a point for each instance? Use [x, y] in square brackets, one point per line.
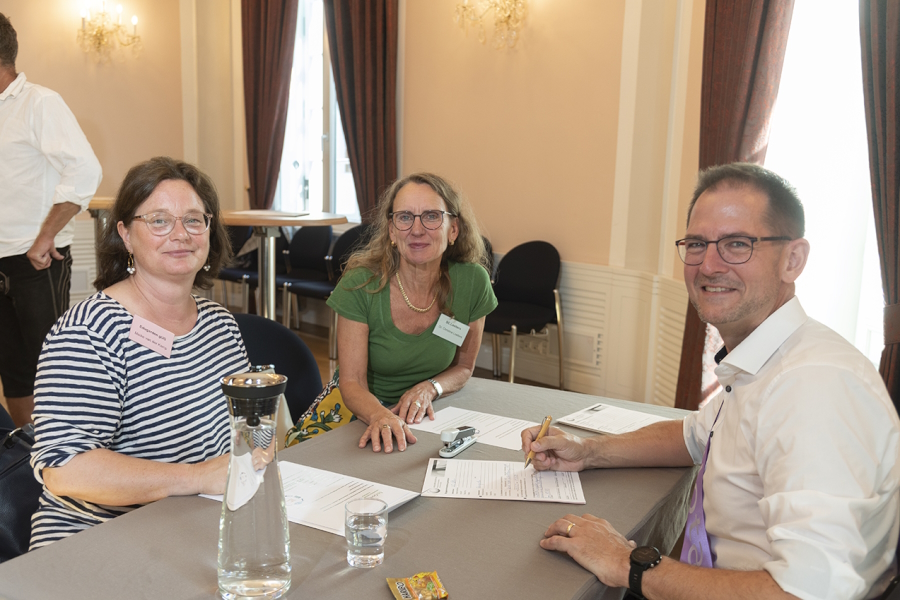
[657, 445]
[673, 580]
[57, 218]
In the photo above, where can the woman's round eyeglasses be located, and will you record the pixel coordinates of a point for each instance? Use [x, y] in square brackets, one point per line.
[734, 249]
[430, 219]
[162, 223]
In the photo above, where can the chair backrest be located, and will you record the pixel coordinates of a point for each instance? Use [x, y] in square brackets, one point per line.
[271, 343]
[489, 252]
[238, 235]
[309, 246]
[19, 491]
[343, 247]
[528, 273]
[6, 421]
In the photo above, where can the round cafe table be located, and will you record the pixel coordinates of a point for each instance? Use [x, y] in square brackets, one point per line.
[265, 223]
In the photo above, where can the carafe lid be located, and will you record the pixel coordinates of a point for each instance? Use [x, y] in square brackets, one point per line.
[253, 385]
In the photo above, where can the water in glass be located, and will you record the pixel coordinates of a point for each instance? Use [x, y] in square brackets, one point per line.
[365, 528]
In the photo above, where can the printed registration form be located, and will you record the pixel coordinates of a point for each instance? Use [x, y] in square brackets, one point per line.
[604, 418]
[494, 430]
[499, 480]
[316, 498]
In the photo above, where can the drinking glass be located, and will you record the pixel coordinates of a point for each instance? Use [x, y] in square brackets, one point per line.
[365, 527]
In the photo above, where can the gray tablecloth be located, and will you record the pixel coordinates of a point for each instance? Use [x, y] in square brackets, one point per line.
[480, 548]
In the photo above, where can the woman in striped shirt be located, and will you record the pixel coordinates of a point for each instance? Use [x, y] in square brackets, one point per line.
[128, 407]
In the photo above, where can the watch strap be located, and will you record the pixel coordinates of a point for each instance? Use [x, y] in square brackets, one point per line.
[437, 388]
[640, 564]
[634, 579]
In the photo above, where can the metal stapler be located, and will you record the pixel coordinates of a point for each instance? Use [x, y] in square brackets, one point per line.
[457, 440]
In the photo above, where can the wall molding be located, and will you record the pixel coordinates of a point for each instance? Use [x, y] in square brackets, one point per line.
[623, 333]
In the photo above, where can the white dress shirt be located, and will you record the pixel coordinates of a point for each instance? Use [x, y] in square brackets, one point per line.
[802, 476]
[44, 160]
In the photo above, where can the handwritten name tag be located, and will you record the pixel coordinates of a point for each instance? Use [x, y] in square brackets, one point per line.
[451, 330]
[151, 335]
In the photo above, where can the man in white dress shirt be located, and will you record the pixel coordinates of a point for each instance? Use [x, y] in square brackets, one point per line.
[800, 484]
[48, 174]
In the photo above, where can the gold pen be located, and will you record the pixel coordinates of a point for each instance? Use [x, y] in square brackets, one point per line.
[544, 427]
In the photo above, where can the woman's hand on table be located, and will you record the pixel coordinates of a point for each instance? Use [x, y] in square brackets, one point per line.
[416, 403]
[383, 429]
[211, 475]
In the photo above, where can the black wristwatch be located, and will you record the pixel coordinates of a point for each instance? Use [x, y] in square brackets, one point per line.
[642, 558]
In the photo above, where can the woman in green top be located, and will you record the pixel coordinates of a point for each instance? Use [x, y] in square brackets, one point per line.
[423, 263]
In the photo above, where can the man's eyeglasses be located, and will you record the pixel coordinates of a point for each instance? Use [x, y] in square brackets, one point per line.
[162, 223]
[734, 249]
[430, 219]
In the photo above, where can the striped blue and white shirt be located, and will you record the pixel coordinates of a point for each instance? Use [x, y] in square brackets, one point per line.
[96, 388]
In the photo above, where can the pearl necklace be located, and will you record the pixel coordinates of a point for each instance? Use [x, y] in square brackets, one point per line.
[408, 303]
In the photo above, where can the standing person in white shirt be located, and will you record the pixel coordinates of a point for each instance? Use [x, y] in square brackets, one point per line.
[801, 483]
[48, 174]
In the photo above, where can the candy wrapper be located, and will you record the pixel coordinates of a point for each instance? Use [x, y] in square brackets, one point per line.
[421, 586]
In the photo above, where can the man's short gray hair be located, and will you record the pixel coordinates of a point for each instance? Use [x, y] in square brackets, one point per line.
[785, 215]
[9, 43]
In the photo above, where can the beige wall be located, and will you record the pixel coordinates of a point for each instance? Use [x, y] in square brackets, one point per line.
[216, 110]
[691, 148]
[531, 134]
[129, 110]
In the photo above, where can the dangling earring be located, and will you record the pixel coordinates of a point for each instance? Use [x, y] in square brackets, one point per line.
[130, 268]
[206, 266]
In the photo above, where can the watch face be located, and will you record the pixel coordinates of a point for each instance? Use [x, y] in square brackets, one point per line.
[645, 555]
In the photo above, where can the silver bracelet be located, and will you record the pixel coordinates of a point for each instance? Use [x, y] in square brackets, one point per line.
[437, 388]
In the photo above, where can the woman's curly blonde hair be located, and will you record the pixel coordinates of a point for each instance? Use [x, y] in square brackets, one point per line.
[383, 259]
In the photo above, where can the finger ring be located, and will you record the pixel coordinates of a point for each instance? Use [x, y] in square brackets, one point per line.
[385, 426]
[418, 404]
[569, 528]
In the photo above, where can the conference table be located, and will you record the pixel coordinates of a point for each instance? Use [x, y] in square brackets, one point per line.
[480, 548]
[266, 225]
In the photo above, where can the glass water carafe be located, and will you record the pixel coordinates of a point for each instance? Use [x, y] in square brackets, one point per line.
[254, 543]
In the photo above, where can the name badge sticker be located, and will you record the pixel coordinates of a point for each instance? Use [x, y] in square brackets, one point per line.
[451, 330]
[150, 335]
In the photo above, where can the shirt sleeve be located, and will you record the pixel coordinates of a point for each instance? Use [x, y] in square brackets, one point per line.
[483, 299]
[830, 500]
[697, 426]
[79, 388]
[67, 149]
[351, 301]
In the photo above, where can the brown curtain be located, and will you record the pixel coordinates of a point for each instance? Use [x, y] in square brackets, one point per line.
[362, 37]
[269, 28]
[879, 23]
[743, 52]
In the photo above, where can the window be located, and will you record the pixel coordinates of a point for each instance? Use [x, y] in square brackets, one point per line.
[315, 167]
[818, 143]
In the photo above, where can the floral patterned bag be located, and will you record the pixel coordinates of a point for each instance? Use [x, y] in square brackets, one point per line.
[327, 412]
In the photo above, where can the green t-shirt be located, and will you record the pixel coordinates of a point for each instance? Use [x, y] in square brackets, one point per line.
[397, 360]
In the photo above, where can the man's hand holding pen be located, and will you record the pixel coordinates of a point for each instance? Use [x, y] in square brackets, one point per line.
[557, 450]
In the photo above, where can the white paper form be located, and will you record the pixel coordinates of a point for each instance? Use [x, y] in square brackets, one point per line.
[499, 480]
[494, 430]
[604, 418]
[316, 498]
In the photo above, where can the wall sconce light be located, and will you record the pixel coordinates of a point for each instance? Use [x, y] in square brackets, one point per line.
[104, 37]
[509, 16]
